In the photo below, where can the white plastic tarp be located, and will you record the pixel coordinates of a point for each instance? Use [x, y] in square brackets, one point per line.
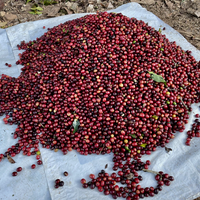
[38, 184]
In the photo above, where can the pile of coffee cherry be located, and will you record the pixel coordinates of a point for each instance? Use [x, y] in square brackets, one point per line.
[103, 83]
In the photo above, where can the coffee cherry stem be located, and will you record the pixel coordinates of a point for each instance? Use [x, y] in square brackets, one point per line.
[183, 102]
[151, 171]
[42, 125]
[102, 149]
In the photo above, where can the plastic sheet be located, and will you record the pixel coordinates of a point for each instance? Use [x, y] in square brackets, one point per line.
[182, 162]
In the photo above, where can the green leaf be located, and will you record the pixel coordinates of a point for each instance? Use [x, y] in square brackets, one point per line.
[157, 78]
[155, 117]
[159, 30]
[48, 2]
[32, 42]
[39, 8]
[161, 49]
[38, 13]
[28, 1]
[133, 135]
[32, 13]
[79, 60]
[63, 30]
[127, 149]
[75, 124]
[143, 145]
[134, 42]
[34, 8]
[67, 32]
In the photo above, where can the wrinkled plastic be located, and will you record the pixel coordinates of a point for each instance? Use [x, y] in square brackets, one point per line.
[182, 162]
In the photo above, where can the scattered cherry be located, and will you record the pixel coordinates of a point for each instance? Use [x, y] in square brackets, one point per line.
[83, 181]
[19, 169]
[57, 181]
[92, 176]
[33, 166]
[85, 185]
[39, 162]
[14, 174]
[65, 173]
[61, 183]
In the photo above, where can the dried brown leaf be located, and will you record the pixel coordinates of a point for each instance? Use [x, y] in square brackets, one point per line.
[10, 159]
[3, 24]
[168, 149]
[130, 176]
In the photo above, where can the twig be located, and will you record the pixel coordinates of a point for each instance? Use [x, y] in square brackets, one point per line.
[41, 125]
[174, 62]
[153, 172]
[183, 102]
[102, 149]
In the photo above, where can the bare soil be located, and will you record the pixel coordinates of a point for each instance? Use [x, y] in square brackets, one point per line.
[182, 15]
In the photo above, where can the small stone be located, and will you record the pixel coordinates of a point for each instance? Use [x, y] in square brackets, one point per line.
[67, 10]
[169, 4]
[197, 13]
[92, 2]
[2, 24]
[2, 13]
[23, 8]
[90, 8]
[53, 11]
[10, 17]
[68, 4]
[110, 6]
[74, 7]
[23, 20]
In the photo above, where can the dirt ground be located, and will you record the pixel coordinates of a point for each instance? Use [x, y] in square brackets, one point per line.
[182, 15]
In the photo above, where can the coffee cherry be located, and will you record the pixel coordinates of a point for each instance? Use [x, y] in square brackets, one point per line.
[61, 183]
[85, 185]
[19, 169]
[33, 166]
[171, 178]
[92, 176]
[65, 173]
[39, 162]
[14, 174]
[57, 181]
[83, 181]
[167, 183]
